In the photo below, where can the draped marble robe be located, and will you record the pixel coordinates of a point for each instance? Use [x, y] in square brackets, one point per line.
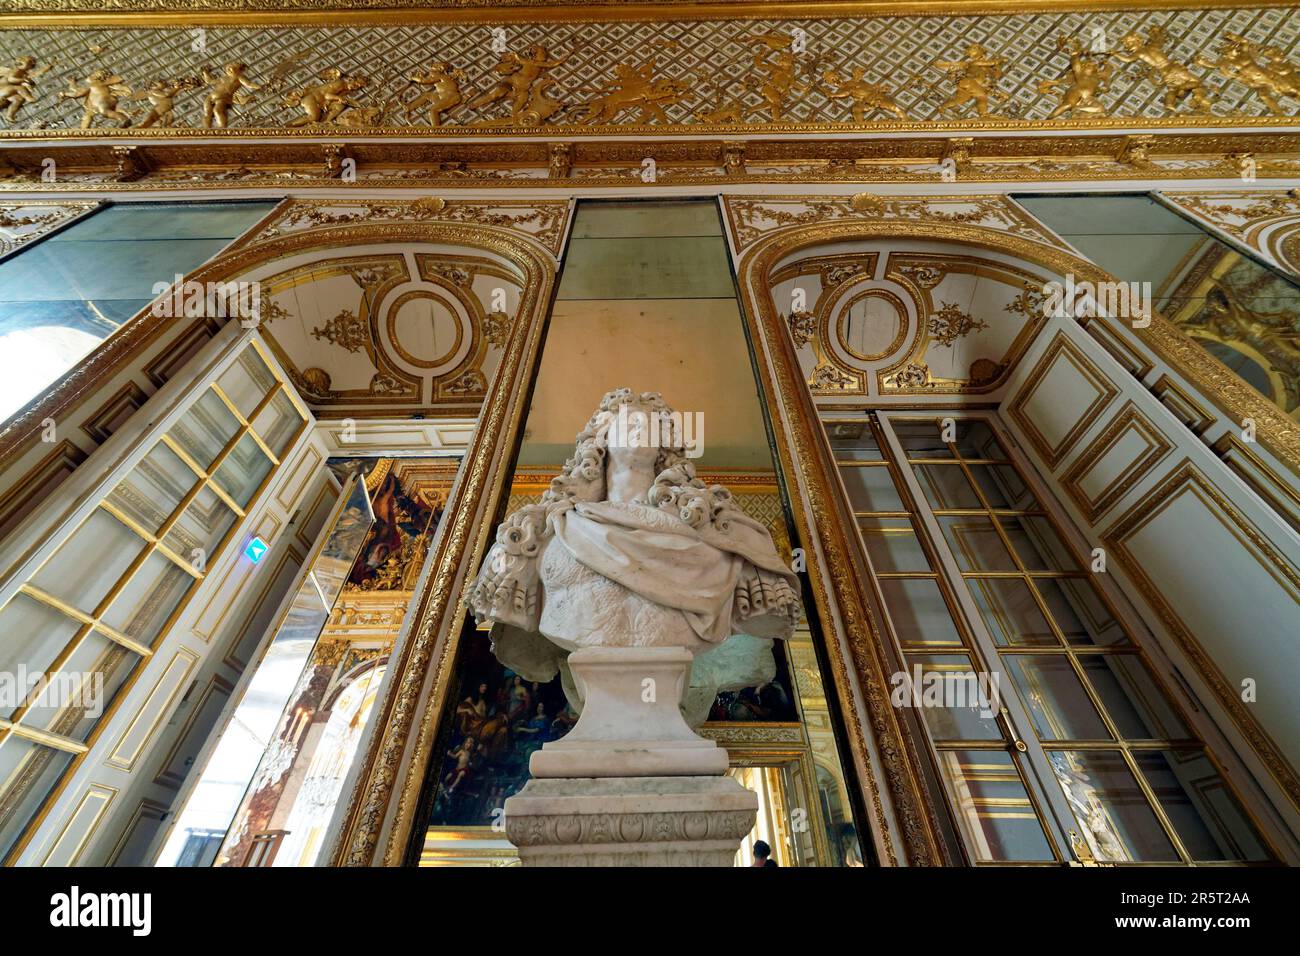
[570, 574]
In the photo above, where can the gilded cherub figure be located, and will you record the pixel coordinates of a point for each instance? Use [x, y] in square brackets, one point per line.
[18, 85]
[1087, 80]
[99, 97]
[520, 74]
[1177, 79]
[865, 96]
[977, 79]
[161, 94]
[325, 102]
[225, 93]
[777, 68]
[635, 87]
[1238, 61]
[1286, 72]
[443, 94]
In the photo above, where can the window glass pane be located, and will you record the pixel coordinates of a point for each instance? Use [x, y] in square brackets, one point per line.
[63, 295]
[246, 382]
[154, 487]
[1079, 612]
[1055, 698]
[148, 599]
[33, 635]
[990, 797]
[918, 611]
[1131, 697]
[955, 703]
[1114, 817]
[1010, 612]
[871, 488]
[241, 474]
[892, 545]
[86, 566]
[75, 698]
[921, 438]
[1206, 816]
[278, 423]
[1003, 487]
[853, 440]
[202, 526]
[205, 429]
[946, 487]
[975, 543]
[27, 773]
[975, 439]
[1037, 543]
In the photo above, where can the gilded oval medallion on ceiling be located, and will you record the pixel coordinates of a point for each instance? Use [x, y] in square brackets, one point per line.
[425, 329]
[871, 325]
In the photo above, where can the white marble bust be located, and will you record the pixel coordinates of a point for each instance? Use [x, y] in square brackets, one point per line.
[629, 549]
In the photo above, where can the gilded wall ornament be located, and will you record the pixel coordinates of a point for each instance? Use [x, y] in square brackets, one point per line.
[827, 378]
[949, 323]
[776, 67]
[99, 95]
[346, 330]
[912, 375]
[522, 86]
[976, 79]
[635, 88]
[866, 96]
[803, 326]
[162, 94]
[1087, 79]
[1177, 79]
[442, 95]
[18, 85]
[225, 92]
[1238, 60]
[326, 101]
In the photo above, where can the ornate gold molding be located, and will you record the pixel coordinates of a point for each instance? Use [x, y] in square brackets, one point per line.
[525, 163]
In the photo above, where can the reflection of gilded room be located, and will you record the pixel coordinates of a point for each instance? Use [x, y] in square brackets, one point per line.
[650, 435]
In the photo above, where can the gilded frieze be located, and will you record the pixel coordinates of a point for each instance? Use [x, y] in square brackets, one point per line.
[1103, 69]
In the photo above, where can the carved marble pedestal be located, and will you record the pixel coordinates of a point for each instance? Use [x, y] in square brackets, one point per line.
[630, 821]
[631, 784]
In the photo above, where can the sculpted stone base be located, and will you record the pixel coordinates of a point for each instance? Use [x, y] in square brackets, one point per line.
[631, 723]
[630, 821]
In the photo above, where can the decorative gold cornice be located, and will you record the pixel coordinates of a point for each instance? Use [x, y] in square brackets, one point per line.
[524, 164]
